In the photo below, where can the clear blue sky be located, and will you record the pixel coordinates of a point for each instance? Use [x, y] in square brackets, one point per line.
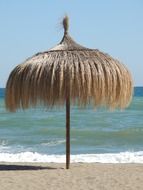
[30, 26]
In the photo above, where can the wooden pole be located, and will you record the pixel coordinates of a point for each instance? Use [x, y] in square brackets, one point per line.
[67, 132]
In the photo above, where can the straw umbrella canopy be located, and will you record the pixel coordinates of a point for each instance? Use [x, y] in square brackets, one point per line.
[68, 73]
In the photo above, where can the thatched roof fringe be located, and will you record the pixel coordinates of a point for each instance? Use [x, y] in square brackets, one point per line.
[100, 79]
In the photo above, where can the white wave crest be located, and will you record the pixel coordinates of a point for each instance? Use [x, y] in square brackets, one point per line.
[53, 143]
[123, 157]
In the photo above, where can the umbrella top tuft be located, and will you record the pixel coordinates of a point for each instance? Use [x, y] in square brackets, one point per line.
[67, 43]
[66, 24]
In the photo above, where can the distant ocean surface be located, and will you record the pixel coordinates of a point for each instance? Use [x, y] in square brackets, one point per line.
[38, 135]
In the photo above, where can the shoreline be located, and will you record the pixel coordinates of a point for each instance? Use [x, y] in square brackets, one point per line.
[34, 157]
[52, 176]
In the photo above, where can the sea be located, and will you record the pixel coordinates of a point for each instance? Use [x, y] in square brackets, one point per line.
[97, 136]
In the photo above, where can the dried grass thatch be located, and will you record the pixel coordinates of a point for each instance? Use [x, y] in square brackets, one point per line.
[69, 69]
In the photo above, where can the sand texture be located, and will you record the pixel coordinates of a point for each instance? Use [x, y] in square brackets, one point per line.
[83, 176]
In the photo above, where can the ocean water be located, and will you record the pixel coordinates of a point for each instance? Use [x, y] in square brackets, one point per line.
[38, 135]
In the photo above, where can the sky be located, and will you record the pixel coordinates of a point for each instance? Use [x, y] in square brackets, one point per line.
[31, 26]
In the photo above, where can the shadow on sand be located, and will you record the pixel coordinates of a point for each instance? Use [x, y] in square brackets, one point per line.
[25, 167]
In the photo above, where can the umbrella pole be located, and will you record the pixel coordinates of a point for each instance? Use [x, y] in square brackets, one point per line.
[67, 132]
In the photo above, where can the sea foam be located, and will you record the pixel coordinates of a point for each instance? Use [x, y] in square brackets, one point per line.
[123, 157]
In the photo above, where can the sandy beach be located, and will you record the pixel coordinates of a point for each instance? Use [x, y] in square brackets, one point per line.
[83, 176]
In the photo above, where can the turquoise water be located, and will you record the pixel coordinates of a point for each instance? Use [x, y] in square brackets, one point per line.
[92, 132]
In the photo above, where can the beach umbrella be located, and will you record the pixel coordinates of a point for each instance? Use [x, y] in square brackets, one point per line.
[69, 73]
